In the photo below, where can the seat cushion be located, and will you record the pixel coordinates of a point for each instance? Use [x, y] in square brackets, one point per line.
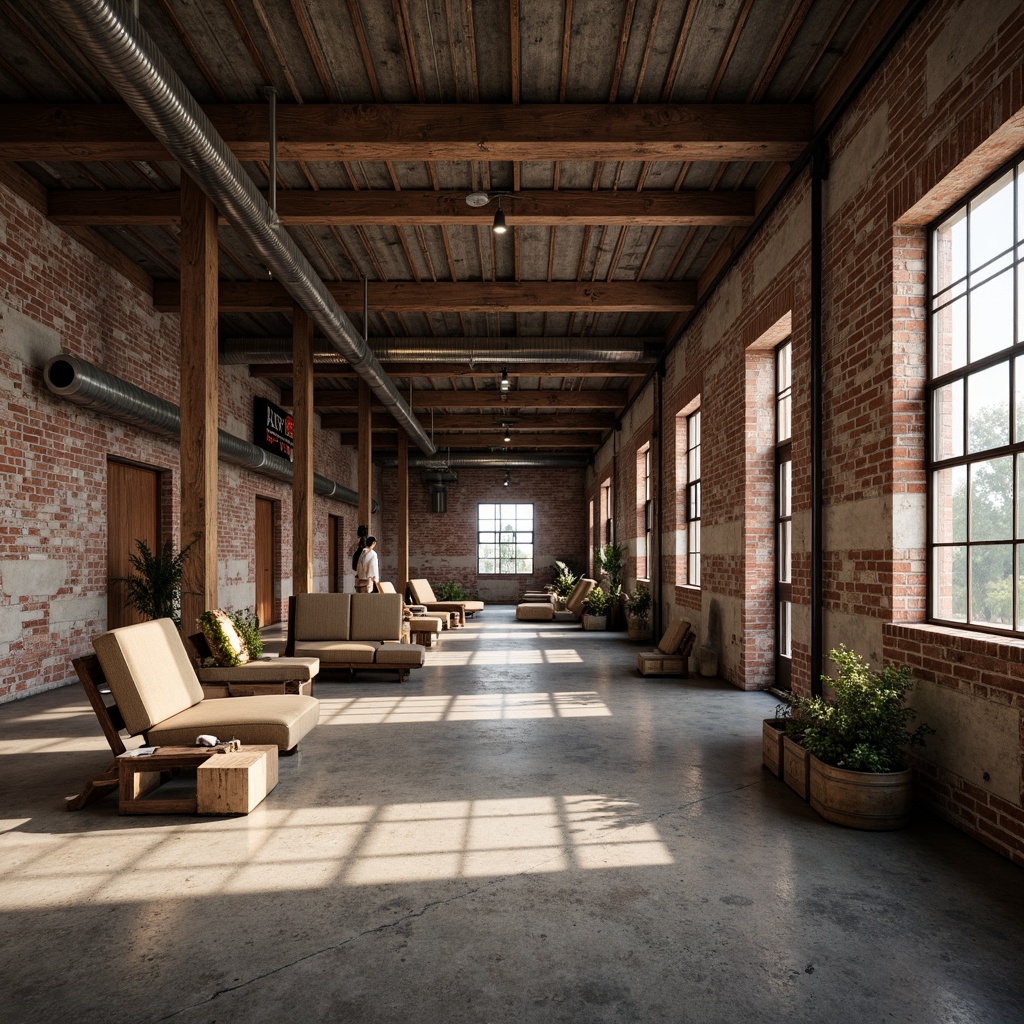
[275, 670]
[673, 637]
[422, 592]
[425, 624]
[472, 606]
[574, 602]
[392, 652]
[376, 617]
[337, 652]
[535, 612]
[149, 672]
[279, 719]
[322, 616]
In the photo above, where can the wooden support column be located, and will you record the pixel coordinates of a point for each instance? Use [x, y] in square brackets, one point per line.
[365, 478]
[198, 474]
[403, 511]
[302, 453]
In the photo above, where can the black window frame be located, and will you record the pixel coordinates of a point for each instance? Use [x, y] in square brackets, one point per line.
[518, 537]
[694, 499]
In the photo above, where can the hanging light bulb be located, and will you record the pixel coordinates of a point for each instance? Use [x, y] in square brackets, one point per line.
[504, 385]
[498, 227]
[505, 483]
[507, 437]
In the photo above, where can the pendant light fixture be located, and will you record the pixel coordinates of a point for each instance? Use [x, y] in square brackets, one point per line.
[498, 227]
[505, 384]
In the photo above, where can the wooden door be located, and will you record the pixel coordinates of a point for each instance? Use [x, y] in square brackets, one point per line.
[133, 514]
[265, 607]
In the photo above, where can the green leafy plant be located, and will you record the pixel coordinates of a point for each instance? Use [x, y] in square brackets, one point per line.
[451, 591]
[565, 579]
[609, 560]
[597, 602]
[154, 588]
[247, 623]
[639, 603]
[864, 727]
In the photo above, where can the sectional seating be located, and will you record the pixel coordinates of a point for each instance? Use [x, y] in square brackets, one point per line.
[672, 655]
[351, 632]
[544, 611]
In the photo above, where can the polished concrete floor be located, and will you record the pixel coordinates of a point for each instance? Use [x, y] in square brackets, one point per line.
[526, 830]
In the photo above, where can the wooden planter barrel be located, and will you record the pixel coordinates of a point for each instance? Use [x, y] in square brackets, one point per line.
[796, 767]
[878, 802]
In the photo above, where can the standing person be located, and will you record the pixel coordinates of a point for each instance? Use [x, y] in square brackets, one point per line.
[367, 572]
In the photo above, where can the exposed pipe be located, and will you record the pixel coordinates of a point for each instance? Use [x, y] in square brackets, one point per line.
[819, 172]
[82, 383]
[118, 45]
[444, 350]
[488, 460]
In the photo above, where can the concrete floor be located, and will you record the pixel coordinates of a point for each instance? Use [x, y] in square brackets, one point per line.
[526, 830]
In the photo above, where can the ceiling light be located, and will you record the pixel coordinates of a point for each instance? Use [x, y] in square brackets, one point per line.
[499, 227]
[477, 199]
[504, 385]
[505, 483]
[507, 437]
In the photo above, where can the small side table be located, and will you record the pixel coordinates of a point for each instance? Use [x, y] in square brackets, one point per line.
[226, 783]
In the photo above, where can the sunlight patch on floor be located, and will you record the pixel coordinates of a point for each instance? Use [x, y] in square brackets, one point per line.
[461, 708]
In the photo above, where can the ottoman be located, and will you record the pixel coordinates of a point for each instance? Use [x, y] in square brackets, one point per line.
[539, 612]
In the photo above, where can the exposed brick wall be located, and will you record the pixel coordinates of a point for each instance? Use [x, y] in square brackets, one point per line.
[56, 296]
[443, 546]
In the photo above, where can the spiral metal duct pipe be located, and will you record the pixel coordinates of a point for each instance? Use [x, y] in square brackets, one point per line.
[444, 350]
[82, 383]
[131, 62]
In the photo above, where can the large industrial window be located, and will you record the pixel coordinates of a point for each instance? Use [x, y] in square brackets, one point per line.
[693, 499]
[784, 515]
[976, 409]
[505, 539]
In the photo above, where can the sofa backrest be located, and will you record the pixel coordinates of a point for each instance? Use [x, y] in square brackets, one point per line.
[383, 587]
[422, 592]
[574, 602]
[673, 637]
[322, 616]
[376, 617]
[149, 672]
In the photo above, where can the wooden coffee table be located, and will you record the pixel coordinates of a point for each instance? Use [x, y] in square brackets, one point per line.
[231, 782]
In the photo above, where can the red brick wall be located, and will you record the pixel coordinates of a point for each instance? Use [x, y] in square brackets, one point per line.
[443, 546]
[56, 296]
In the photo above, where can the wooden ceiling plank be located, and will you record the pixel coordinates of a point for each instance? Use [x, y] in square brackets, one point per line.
[268, 31]
[431, 132]
[823, 45]
[193, 52]
[248, 42]
[563, 421]
[730, 49]
[408, 49]
[651, 31]
[451, 49]
[313, 48]
[677, 53]
[620, 56]
[471, 46]
[566, 40]
[792, 25]
[364, 48]
[514, 54]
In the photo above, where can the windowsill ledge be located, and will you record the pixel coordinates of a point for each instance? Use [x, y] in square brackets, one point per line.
[967, 641]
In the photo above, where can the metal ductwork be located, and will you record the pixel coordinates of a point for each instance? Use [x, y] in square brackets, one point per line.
[444, 350]
[82, 383]
[115, 42]
[488, 460]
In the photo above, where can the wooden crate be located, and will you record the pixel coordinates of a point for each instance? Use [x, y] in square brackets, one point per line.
[234, 783]
[654, 663]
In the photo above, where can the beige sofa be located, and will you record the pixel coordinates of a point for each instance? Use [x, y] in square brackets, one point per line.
[544, 611]
[152, 680]
[351, 633]
[423, 593]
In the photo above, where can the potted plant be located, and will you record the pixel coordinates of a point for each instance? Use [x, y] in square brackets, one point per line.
[638, 607]
[857, 740]
[609, 560]
[595, 609]
[154, 588]
[450, 591]
[796, 761]
[565, 580]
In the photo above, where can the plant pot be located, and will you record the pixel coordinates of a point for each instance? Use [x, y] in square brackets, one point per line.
[640, 629]
[773, 732]
[796, 767]
[594, 622]
[879, 802]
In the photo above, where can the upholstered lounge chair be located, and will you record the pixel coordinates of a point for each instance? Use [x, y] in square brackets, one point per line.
[544, 611]
[422, 593]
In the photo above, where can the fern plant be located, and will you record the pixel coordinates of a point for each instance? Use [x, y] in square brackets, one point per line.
[154, 588]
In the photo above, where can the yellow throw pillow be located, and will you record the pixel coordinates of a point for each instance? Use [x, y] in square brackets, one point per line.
[226, 645]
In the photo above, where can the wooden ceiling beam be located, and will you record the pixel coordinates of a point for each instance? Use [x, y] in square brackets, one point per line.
[562, 423]
[340, 371]
[456, 297]
[344, 208]
[591, 439]
[424, 131]
[492, 400]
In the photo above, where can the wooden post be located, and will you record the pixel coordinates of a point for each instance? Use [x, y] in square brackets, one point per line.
[302, 452]
[198, 474]
[365, 478]
[403, 511]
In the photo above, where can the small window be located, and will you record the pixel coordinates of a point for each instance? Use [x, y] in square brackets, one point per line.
[504, 539]
[976, 409]
[693, 499]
